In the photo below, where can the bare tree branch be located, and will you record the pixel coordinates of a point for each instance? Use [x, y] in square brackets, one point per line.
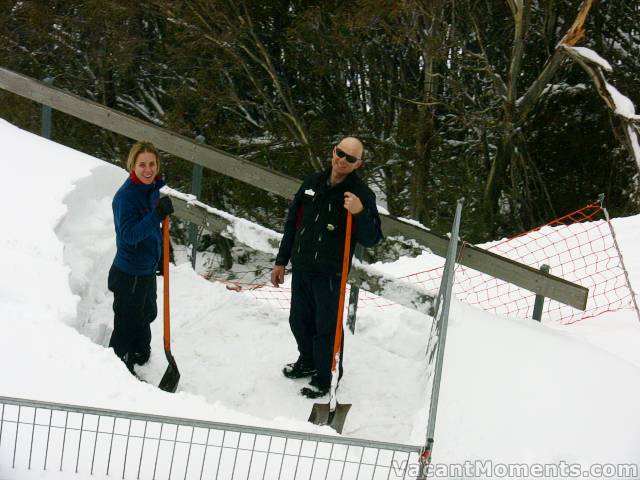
[521, 23]
[575, 33]
[283, 90]
[498, 82]
[606, 91]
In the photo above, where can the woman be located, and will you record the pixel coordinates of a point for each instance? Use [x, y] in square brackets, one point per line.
[137, 213]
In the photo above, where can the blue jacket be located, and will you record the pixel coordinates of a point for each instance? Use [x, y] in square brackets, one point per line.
[138, 231]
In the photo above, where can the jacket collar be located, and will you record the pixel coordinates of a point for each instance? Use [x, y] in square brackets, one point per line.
[346, 184]
[157, 182]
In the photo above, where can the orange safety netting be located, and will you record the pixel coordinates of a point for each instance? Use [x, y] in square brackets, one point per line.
[578, 247]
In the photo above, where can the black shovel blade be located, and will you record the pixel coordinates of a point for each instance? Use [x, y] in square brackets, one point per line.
[321, 414]
[171, 377]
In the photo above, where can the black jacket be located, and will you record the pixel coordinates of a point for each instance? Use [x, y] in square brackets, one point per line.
[314, 231]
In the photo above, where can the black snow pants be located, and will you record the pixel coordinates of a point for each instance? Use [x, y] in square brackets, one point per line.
[314, 309]
[134, 308]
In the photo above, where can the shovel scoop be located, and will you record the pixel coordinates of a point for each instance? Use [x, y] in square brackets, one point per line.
[333, 413]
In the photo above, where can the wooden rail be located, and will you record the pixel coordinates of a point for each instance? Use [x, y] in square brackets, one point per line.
[285, 186]
[404, 293]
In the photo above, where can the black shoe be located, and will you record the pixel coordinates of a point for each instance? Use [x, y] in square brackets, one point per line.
[318, 387]
[314, 392]
[298, 370]
[141, 358]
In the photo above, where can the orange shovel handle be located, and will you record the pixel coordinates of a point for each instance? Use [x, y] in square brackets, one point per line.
[165, 274]
[343, 289]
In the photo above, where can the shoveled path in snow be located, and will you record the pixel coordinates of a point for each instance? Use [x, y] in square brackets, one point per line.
[501, 376]
[230, 348]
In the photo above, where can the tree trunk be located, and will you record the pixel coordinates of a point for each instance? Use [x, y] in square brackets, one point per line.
[426, 131]
[497, 175]
[424, 145]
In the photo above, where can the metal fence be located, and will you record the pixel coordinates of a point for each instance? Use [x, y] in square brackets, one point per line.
[96, 443]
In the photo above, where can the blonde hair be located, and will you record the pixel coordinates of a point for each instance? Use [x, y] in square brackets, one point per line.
[137, 149]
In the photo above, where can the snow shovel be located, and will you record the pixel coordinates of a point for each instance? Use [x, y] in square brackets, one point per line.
[332, 413]
[171, 377]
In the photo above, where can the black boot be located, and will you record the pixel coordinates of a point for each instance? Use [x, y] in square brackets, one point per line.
[141, 358]
[299, 369]
[318, 387]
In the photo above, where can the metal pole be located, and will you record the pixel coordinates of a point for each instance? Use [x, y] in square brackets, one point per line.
[196, 189]
[353, 295]
[539, 303]
[45, 117]
[615, 242]
[441, 318]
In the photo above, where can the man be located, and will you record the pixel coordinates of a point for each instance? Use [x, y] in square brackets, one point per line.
[313, 240]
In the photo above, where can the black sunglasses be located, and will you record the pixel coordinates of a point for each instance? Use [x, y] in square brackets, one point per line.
[346, 156]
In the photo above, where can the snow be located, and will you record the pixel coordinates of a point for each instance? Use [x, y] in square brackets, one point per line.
[562, 88]
[513, 390]
[382, 209]
[252, 235]
[590, 56]
[625, 108]
[624, 105]
[633, 135]
[413, 222]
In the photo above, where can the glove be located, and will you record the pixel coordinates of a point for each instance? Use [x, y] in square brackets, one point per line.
[164, 208]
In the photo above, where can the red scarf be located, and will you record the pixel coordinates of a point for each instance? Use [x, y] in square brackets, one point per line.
[134, 178]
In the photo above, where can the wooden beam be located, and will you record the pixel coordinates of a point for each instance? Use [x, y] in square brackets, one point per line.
[280, 184]
[404, 293]
[136, 129]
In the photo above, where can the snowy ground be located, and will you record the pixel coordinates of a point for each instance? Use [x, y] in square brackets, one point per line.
[513, 390]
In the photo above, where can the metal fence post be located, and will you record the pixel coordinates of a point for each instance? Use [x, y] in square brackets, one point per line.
[196, 189]
[615, 243]
[353, 295]
[539, 303]
[45, 116]
[439, 332]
